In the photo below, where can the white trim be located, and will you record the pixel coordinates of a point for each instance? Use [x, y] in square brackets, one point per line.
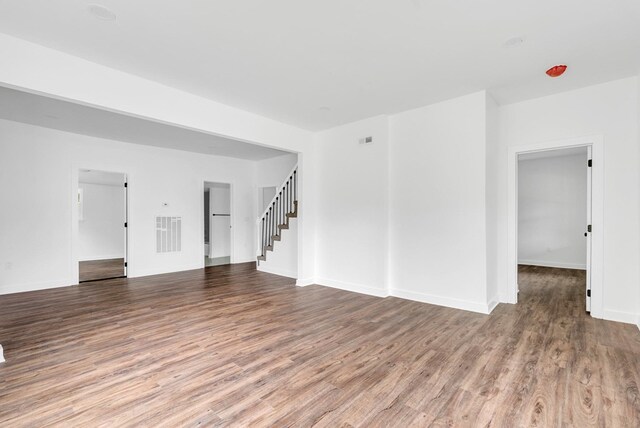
[35, 286]
[282, 272]
[305, 282]
[619, 316]
[2, 360]
[102, 257]
[492, 304]
[597, 236]
[448, 302]
[544, 263]
[162, 271]
[242, 261]
[353, 287]
[74, 260]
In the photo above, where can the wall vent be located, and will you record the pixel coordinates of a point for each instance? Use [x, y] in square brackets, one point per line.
[365, 140]
[168, 234]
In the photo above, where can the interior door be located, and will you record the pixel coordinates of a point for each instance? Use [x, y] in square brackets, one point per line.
[220, 226]
[588, 231]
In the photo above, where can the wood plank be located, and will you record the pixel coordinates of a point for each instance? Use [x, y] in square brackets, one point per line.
[231, 346]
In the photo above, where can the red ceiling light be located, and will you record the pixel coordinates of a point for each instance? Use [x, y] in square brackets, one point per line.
[556, 70]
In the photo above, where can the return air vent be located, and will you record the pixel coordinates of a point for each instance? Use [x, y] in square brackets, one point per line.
[168, 234]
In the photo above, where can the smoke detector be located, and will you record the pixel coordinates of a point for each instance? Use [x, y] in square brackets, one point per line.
[101, 12]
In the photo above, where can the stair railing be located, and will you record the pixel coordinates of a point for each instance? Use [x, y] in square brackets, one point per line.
[275, 214]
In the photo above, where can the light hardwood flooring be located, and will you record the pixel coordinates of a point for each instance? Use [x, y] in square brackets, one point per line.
[231, 346]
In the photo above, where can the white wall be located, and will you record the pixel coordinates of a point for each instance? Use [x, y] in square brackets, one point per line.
[283, 260]
[78, 80]
[155, 176]
[552, 211]
[610, 110]
[352, 208]
[101, 231]
[438, 242]
[273, 172]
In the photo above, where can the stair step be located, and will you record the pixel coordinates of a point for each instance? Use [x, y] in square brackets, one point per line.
[262, 258]
[276, 237]
[269, 248]
[292, 215]
[283, 226]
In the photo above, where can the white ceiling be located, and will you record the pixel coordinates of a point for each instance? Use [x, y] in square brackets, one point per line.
[65, 116]
[324, 63]
[92, 176]
[574, 151]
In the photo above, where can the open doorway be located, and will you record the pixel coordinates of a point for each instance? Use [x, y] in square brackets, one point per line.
[217, 224]
[102, 225]
[554, 221]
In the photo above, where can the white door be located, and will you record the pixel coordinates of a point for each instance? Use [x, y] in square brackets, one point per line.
[588, 229]
[220, 221]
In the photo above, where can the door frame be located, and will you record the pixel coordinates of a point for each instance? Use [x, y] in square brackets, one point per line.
[232, 258]
[595, 270]
[75, 243]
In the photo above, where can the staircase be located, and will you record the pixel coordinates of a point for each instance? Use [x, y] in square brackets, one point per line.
[276, 217]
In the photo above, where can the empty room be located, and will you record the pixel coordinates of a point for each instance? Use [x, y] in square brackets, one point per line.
[339, 213]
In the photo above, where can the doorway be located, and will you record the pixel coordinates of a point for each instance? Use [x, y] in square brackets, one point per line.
[218, 223]
[555, 213]
[102, 225]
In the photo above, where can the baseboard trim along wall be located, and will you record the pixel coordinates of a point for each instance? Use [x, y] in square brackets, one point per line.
[492, 304]
[103, 257]
[150, 272]
[483, 308]
[276, 271]
[540, 263]
[239, 262]
[305, 282]
[35, 286]
[466, 305]
[619, 316]
[356, 288]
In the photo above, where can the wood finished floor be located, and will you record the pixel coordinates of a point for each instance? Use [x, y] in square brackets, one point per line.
[230, 346]
[92, 270]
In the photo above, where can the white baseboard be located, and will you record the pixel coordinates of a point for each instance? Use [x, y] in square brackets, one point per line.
[1, 355]
[543, 263]
[107, 257]
[619, 316]
[241, 261]
[150, 272]
[278, 271]
[35, 286]
[449, 302]
[305, 282]
[492, 304]
[356, 288]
